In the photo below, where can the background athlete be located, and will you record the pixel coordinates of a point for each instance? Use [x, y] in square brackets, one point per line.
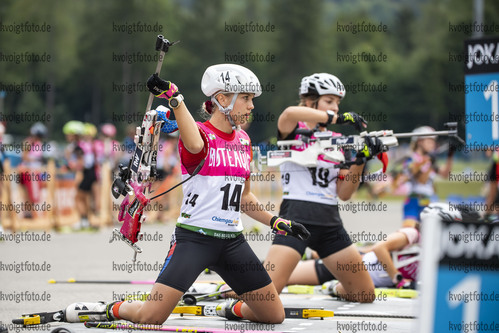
[393, 262]
[420, 170]
[310, 195]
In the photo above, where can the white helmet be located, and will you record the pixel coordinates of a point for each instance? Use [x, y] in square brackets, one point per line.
[229, 78]
[423, 130]
[322, 84]
[38, 129]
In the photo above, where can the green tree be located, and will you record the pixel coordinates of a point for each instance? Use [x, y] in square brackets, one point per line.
[298, 48]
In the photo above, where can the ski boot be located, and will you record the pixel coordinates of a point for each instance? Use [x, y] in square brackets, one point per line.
[329, 288]
[87, 311]
[230, 309]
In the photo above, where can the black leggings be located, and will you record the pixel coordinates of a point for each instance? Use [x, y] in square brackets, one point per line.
[233, 259]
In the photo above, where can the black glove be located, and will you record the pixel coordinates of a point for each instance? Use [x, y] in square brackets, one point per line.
[284, 227]
[372, 147]
[161, 88]
[352, 118]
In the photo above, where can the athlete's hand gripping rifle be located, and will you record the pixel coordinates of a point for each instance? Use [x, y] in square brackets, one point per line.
[136, 179]
[330, 146]
[326, 144]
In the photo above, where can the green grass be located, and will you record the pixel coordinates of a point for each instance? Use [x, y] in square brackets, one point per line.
[477, 165]
[446, 188]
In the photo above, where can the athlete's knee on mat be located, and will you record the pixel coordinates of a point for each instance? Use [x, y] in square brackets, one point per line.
[369, 298]
[364, 295]
[361, 294]
[272, 317]
[151, 320]
[150, 317]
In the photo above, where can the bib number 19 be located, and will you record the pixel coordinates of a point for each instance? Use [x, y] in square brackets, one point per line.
[319, 176]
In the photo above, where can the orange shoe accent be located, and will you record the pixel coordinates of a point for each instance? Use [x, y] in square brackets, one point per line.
[116, 310]
[237, 309]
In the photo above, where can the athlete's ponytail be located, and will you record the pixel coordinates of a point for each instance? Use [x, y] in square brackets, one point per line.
[208, 107]
[314, 99]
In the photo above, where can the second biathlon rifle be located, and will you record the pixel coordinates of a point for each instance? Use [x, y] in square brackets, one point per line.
[331, 146]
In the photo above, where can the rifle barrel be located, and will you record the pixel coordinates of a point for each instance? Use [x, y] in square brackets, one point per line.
[408, 135]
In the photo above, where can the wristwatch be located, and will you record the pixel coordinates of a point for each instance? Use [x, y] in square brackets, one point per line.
[175, 101]
[397, 278]
[330, 116]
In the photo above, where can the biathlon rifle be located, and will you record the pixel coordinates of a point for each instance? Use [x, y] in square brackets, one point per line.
[330, 146]
[134, 181]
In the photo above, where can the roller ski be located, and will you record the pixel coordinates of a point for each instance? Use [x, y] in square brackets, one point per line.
[189, 298]
[162, 328]
[74, 313]
[193, 299]
[326, 289]
[227, 310]
[203, 292]
[40, 318]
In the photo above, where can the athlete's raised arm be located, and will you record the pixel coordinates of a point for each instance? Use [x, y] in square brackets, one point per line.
[189, 132]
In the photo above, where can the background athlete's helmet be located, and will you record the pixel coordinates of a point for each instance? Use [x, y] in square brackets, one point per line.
[229, 78]
[89, 129]
[322, 84]
[449, 212]
[73, 127]
[38, 129]
[423, 130]
[108, 130]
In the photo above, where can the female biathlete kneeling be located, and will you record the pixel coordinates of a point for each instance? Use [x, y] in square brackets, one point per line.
[209, 229]
[310, 195]
[392, 263]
